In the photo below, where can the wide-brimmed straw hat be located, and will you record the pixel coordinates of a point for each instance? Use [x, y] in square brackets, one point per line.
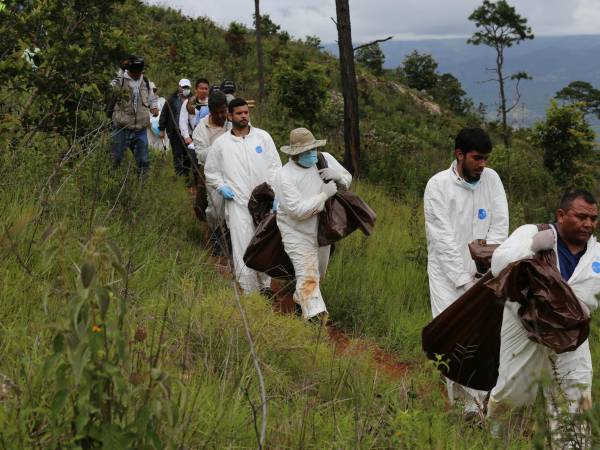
[301, 140]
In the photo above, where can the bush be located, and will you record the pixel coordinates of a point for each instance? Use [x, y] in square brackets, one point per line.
[567, 141]
[302, 89]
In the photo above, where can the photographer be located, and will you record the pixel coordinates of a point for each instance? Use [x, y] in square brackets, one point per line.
[130, 115]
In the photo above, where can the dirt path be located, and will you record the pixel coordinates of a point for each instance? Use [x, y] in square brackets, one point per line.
[387, 362]
[283, 303]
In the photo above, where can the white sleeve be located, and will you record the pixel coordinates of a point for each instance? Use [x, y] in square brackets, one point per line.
[516, 247]
[201, 144]
[293, 204]
[498, 231]
[274, 159]
[212, 167]
[184, 126]
[335, 165]
[440, 234]
[152, 99]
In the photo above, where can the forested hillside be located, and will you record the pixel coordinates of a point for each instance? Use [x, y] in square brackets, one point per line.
[117, 327]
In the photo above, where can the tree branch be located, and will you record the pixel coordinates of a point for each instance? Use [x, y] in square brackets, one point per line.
[376, 41]
[518, 97]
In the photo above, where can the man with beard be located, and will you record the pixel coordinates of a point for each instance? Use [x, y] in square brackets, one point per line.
[239, 161]
[463, 203]
[524, 363]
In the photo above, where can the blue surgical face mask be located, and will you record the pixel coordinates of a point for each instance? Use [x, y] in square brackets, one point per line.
[308, 158]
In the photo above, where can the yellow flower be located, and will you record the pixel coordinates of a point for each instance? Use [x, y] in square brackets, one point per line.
[96, 328]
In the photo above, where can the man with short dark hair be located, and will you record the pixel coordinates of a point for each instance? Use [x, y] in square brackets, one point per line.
[205, 134]
[463, 203]
[187, 117]
[169, 124]
[239, 161]
[131, 113]
[523, 362]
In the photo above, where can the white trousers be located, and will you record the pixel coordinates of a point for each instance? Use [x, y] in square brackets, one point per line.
[215, 211]
[241, 228]
[523, 363]
[310, 264]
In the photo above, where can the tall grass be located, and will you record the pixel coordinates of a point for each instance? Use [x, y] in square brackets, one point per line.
[190, 383]
[377, 285]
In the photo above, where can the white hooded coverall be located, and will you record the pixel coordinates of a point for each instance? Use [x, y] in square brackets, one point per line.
[204, 136]
[299, 193]
[242, 163]
[457, 213]
[522, 361]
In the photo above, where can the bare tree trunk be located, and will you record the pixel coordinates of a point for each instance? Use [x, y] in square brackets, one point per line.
[349, 88]
[259, 52]
[505, 132]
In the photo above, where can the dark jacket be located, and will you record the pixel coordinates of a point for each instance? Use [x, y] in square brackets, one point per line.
[169, 115]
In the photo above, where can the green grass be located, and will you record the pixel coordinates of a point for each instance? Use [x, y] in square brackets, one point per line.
[203, 385]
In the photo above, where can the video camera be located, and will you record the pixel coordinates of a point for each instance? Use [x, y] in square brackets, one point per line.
[132, 63]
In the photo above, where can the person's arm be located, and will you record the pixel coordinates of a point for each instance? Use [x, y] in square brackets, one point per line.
[201, 144]
[164, 117]
[516, 247]
[152, 101]
[294, 205]
[117, 82]
[498, 231]
[212, 167]
[274, 159]
[184, 126]
[345, 176]
[441, 235]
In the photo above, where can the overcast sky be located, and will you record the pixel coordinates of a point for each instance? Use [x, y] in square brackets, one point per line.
[403, 19]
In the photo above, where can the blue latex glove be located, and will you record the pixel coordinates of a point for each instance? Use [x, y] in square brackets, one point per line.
[226, 192]
[275, 205]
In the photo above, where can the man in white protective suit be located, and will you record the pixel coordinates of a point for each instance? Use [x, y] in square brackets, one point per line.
[463, 203]
[239, 161]
[205, 134]
[300, 194]
[523, 363]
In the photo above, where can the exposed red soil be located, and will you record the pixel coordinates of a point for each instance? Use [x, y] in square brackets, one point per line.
[387, 362]
[283, 303]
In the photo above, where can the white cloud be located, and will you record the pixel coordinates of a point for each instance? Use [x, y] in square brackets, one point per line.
[405, 19]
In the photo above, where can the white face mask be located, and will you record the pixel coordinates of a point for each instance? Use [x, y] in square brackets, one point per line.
[186, 91]
[471, 186]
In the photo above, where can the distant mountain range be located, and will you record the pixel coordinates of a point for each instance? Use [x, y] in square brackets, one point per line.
[553, 62]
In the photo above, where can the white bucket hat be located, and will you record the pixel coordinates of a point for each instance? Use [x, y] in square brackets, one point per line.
[301, 140]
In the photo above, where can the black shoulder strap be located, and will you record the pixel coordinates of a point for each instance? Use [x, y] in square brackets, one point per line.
[321, 161]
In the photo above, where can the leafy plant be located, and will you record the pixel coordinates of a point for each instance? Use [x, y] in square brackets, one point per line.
[105, 388]
[567, 141]
[302, 89]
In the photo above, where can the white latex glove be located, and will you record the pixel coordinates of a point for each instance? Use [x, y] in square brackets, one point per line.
[543, 240]
[330, 174]
[191, 146]
[329, 189]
